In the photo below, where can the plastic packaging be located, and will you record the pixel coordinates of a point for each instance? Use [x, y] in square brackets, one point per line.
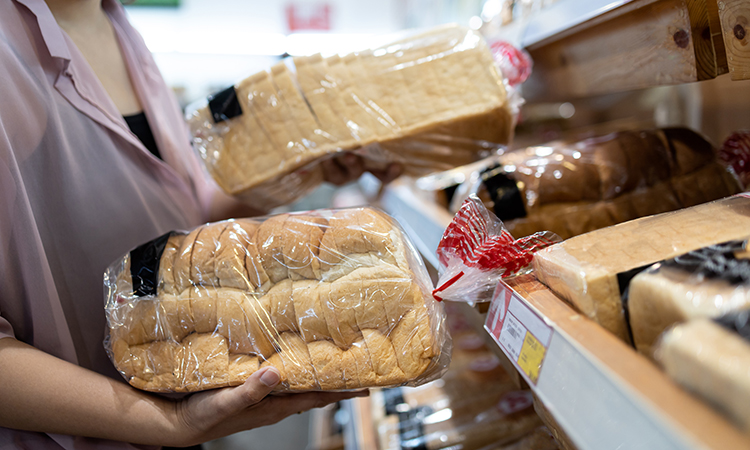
[475, 405]
[712, 359]
[592, 271]
[735, 154]
[429, 427]
[334, 299]
[571, 188]
[704, 283]
[476, 251]
[432, 101]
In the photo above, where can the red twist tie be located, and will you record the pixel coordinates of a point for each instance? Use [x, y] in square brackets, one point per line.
[446, 285]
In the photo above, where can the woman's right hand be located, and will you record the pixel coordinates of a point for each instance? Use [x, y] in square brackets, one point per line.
[204, 416]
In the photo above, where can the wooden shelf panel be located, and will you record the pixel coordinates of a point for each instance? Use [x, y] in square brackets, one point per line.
[582, 48]
[734, 24]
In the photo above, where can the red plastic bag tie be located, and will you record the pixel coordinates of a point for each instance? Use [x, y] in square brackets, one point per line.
[472, 238]
[446, 285]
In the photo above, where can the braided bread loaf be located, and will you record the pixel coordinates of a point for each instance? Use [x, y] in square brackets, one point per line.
[332, 299]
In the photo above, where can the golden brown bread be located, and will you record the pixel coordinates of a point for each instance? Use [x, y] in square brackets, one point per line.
[573, 188]
[300, 243]
[446, 83]
[231, 270]
[166, 265]
[281, 306]
[269, 242]
[584, 269]
[363, 325]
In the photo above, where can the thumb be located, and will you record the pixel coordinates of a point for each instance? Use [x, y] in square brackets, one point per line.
[252, 391]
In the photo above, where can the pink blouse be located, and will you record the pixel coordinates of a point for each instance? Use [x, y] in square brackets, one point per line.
[78, 189]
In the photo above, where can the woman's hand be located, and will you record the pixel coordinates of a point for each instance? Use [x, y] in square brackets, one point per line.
[42, 393]
[209, 415]
[348, 167]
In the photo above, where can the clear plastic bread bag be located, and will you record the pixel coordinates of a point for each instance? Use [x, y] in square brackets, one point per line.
[476, 251]
[704, 283]
[571, 187]
[429, 101]
[334, 299]
[710, 358]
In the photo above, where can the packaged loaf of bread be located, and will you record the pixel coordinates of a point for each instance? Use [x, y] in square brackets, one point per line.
[711, 358]
[704, 283]
[570, 188]
[262, 139]
[334, 299]
[593, 270]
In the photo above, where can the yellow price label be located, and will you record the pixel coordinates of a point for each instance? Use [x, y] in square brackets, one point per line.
[531, 357]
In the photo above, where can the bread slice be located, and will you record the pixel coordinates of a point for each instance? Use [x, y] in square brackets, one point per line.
[339, 307]
[205, 362]
[662, 298]
[304, 120]
[156, 365]
[301, 237]
[309, 296]
[297, 364]
[383, 359]
[323, 98]
[712, 362]
[241, 367]
[184, 260]
[327, 359]
[281, 304]
[377, 82]
[231, 254]
[203, 260]
[270, 246]
[413, 342]
[362, 123]
[166, 264]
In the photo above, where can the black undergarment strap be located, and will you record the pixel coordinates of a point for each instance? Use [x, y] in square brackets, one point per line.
[138, 124]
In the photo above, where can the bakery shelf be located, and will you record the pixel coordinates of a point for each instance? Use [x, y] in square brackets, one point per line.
[602, 393]
[590, 47]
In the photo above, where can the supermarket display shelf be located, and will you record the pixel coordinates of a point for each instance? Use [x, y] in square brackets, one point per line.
[601, 392]
[591, 47]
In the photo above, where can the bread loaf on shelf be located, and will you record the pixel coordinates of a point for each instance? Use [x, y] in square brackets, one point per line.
[705, 283]
[587, 270]
[333, 299]
[711, 358]
[573, 188]
[262, 139]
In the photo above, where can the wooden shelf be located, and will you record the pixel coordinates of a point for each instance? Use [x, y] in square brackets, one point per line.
[589, 47]
[601, 392]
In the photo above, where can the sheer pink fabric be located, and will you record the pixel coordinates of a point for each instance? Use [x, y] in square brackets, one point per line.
[78, 189]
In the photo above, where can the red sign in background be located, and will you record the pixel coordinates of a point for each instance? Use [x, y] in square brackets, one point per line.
[308, 16]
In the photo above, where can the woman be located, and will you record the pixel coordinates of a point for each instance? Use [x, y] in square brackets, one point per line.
[78, 188]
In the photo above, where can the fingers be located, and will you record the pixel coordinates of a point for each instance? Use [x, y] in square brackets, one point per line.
[392, 172]
[286, 405]
[342, 169]
[233, 400]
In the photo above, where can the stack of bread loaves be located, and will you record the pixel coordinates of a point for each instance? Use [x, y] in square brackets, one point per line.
[260, 139]
[593, 271]
[573, 188]
[333, 299]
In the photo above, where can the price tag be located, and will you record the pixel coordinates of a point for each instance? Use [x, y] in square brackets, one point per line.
[522, 335]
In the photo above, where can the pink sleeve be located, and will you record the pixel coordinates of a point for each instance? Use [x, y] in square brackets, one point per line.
[6, 330]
